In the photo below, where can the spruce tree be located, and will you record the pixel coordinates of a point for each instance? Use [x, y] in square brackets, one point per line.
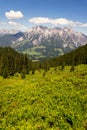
[5, 73]
[23, 73]
[72, 68]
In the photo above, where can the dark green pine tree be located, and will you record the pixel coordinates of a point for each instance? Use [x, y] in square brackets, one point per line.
[26, 64]
[23, 73]
[5, 73]
[72, 68]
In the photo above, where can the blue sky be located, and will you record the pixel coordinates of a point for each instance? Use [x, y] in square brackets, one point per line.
[23, 14]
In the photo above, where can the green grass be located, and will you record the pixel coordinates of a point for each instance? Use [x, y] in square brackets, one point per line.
[56, 101]
[33, 51]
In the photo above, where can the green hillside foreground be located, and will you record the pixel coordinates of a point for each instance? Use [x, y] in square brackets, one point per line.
[55, 100]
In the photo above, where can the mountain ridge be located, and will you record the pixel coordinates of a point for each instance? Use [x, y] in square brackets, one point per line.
[40, 42]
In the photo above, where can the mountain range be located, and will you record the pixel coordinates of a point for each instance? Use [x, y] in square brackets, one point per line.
[42, 42]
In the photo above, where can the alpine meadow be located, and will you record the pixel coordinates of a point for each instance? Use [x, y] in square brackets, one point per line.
[45, 96]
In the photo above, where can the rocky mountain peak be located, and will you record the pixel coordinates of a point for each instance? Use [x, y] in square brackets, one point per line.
[40, 41]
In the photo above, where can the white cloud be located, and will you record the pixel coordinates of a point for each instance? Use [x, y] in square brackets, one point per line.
[56, 22]
[14, 14]
[84, 25]
[3, 23]
[17, 25]
[62, 21]
[39, 20]
[14, 23]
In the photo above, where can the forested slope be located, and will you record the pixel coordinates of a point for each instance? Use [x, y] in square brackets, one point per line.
[12, 62]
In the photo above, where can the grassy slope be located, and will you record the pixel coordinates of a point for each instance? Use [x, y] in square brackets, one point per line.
[56, 101]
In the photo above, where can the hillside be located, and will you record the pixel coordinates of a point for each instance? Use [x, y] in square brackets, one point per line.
[54, 101]
[12, 62]
[75, 57]
[41, 42]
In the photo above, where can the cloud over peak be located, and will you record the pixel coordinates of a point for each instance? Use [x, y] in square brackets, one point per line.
[14, 14]
[39, 20]
[56, 22]
[17, 25]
